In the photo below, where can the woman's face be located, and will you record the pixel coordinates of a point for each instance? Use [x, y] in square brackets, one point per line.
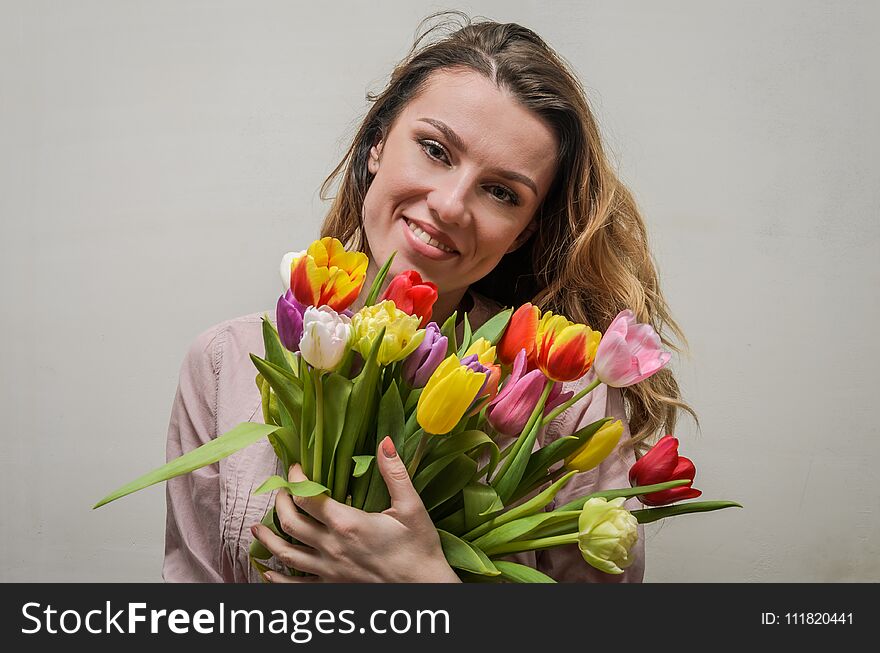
[458, 180]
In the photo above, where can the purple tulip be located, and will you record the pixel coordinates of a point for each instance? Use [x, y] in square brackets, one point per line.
[420, 365]
[510, 410]
[472, 362]
[289, 318]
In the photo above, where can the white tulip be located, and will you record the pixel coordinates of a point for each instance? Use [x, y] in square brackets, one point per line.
[325, 337]
[286, 261]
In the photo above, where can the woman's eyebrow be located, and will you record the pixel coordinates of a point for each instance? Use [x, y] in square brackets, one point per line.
[456, 141]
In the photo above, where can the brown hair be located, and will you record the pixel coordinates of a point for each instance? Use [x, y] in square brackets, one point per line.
[588, 258]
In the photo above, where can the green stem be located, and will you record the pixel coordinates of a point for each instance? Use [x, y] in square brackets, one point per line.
[418, 455]
[531, 545]
[536, 412]
[534, 485]
[319, 429]
[571, 402]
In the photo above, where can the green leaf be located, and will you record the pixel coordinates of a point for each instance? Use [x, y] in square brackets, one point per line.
[358, 416]
[447, 449]
[530, 507]
[517, 573]
[453, 523]
[465, 337]
[463, 555]
[286, 385]
[377, 282]
[412, 401]
[337, 392]
[275, 351]
[508, 480]
[547, 456]
[458, 474]
[391, 418]
[295, 488]
[236, 439]
[448, 330]
[377, 498]
[480, 501]
[281, 451]
[494, 327]
[626, 493]
[257, 550]
[492, 541]
[361, 465]
[653, 514]
[307, 421]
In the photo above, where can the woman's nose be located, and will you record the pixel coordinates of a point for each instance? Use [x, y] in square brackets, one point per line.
[448, 201]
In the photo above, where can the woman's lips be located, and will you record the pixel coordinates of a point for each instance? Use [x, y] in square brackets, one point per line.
[423, 248]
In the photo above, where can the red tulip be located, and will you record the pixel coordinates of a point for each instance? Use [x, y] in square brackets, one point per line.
[520, 334]
[412, 295]
[661, 464]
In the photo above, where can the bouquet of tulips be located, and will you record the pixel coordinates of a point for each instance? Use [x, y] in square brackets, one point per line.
[334, 384]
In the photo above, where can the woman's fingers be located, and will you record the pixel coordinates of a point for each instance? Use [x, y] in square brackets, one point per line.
[276, 577]
[296, 523]
[296, 556]
[321, 507]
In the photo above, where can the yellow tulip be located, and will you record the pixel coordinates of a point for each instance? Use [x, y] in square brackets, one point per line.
[484, 350]
[606, 534]
[596, 448]
[450, 391]
[402, 333]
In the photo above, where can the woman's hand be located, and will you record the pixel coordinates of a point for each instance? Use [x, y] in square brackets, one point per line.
[341, 544]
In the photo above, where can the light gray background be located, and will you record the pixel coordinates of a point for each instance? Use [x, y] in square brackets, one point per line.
[157, 158]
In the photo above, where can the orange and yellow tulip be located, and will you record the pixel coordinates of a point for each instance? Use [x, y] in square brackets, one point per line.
[328, 275]
[564, 350]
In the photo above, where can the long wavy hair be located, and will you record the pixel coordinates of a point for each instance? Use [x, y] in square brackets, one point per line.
[588, 257]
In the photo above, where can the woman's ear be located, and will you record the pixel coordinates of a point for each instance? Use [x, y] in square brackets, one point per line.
[524, 235]
[375, 154]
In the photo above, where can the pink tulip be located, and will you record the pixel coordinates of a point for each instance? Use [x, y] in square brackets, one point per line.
[509, 411]
[629, 352]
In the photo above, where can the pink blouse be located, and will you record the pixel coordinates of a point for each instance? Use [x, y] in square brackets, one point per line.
[210, 510]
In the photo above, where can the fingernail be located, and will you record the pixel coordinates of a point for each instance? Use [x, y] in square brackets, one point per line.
[388, 447]
[254, 530]
[267, 577]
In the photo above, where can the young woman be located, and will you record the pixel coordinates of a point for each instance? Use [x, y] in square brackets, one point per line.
[482, 166]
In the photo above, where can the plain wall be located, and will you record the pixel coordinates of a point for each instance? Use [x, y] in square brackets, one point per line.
[158, 158]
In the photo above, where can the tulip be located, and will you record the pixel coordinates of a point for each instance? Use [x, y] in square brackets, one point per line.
[325, 337]
[606, 534]
[420, 365]
[450, 391]
[286, 264]
[412, 295]
[596, 449]
[473, 363]
[519, 334]
[564, 350]
[483, 349]
[402, 333]
[662, 463]
[289, 318]
[629, 352]
[511, 408]
[328, 275]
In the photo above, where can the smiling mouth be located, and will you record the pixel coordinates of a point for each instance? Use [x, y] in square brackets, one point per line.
[425, 238]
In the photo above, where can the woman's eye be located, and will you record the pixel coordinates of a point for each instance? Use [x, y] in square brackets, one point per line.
[436, 151]
[433, 150]
[505, 196]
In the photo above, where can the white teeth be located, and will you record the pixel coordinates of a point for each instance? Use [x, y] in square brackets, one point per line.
[422, 235]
